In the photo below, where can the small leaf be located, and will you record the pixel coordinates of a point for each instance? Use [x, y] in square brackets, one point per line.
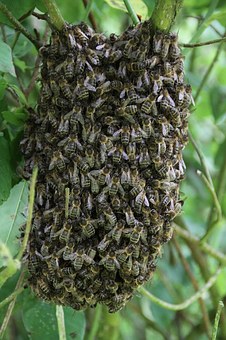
[16, 118]
[6, 60]
[74, 323]
[139, 7]
[5, 170]
[3, 85]
[12, 218]
[17, 91]
[20, 64]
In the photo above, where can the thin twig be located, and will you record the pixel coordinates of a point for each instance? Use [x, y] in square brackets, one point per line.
[44, 17]
[95, 323]
[217, 319]
[30, 213]
[11, 306]
[90, 14]
[18, 26]
[61, 322]
[34, 76]
[204, 246]
[210, 42]
[11, 297]
[186, 303]
[194, 282]
[208, 71]
[131, 12]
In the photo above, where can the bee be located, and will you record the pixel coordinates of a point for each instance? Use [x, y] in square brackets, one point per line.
[103, 245]
[106, 145]
[46, 92]
[135, 270]
[71, 144]
[157, 42]
[131, 151]
[40, 194]
[141, 199]
[110, 72]
[124, 133]
[92, 57]
[65, 232]
[86, 129]
[71, 42]
[80, 64]
[68, 251]
[110, 216]
[37, 222]
[73, 174]
[157, 82]
[33, 263]
[55, 43]
[45, 248]
[175, 116]
[123, 254]
[130, 219]
[88, 201]
[80, 35]
[78, 259]
[161, 145]
[94, 133]
[165, 46]
[125, 176]
[147, 126]
[115, 186]
[75, 208]
[90, 81]
[82, 93]
[53, 264]
[188, 99]
[144, 158]
[116, 203]
[127, 266]
[149, 105]
[138, 184]
[136, 66]
[117, 85]
[103, 88]
[82, 165]
[65, 88]
[151, 63]
[137, 134]
[85, 180]
[61, 102]
[112, 286]
[87, 228]
[69, 67]
[54, 87]
[90, 156]
[64, 127]
[114, 56]
[174, 50]
[110, 262]
[58, 161]
[43, 284]
[117, 154]
[94, 184]
[165, 125]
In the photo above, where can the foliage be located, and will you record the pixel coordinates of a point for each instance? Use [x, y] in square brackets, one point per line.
[186, 264]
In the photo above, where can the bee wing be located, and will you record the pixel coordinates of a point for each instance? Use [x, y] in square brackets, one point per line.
[125, 156]
[146, 201]
[160, 98]
[62, 142]
[90, 87]
[122, 94]
[116, 263]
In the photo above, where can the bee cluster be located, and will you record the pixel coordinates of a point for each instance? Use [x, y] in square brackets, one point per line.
[111, 126]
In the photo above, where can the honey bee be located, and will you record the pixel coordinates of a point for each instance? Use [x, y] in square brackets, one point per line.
[151, 63]
[125, 176]
[85, 180]
[165, 125]
[71, 144]
[46, 92]
[137, 133]
[69, 67]
[147, 126]
[82, 165]
[55, 43]
[54, 87]
[82, 92]
[130, 219]
[116, 232]
[117, 85]
[110, 262]
[157, 83]
[90, 81]
[68, 251]
[136, 250]
[144, 159]
[94, 133]
[174, 50]
[103, 245]
[116, 203]
[188, 99]
[33, 263]
[87, 228]
[80, 64]
[115, 186]
[114, 56]
[65, 88]
[131, 152]
[78, 259]
[157, 42]
[92, 57]
[165, 46]
[43, 284]
[165, 95]
[58, 161]
[110, 216]
[80, 35]
[90, 156]
[103, 88]
[149, 105]
[123, 254]
[175, 116]
[136, 66]
[71, 42]
[124, 133]
[65, 232]
[141, 199]
[135, 270]
[40, 194]
[63, 128]
[127, 266]
[118, 154]
[45, 248]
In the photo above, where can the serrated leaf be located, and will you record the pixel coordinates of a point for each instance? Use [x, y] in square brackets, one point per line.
[6, 59]
[16, 118]
[139, 7]
[12, 217]
[5, 170]
[39, 318]
[3, 85]
[17, 8]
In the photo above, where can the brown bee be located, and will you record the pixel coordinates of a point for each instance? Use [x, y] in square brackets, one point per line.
[110, 262]
[58, 161]
[87, 227]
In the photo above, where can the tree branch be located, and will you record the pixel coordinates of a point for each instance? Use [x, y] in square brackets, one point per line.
[54, 14]
[164, 14]
[210, 42]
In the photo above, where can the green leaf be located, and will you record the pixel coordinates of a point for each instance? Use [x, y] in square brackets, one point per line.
[139, 7]
[220, 16]
[39, 318]
[5, 170]
[16, 118]
[17, 91]
[3, 85]
[17, 8]
[20, 64]
[6, 59]
[12, 217]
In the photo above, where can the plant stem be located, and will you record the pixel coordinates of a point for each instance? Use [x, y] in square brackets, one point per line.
[88, 13]
[30, 213]
[210, 42]
[18, 26]
[109, 326]
[54, 14]
[216, 321]
[11, 297]
[60, 322]
[186, 303]
[95, 324]
[164, 14]
[131, 12]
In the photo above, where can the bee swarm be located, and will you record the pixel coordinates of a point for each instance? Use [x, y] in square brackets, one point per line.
[111, 126]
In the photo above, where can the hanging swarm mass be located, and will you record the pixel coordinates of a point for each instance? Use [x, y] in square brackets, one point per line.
[111, 126]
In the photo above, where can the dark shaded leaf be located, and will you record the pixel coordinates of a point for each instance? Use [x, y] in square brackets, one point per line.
[16, 118]
[5, 171]
[17, 8]
[6, 61]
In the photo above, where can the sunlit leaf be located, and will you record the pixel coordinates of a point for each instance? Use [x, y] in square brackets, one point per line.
[12, 216]
[139, 6]
[6, 61]
[220, 16]
[16, 118]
